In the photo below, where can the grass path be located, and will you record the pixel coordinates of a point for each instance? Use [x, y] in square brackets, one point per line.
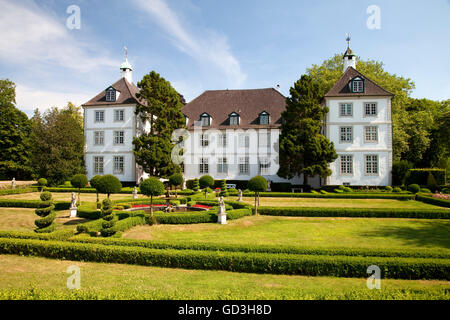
[134, 282]
[308, 232]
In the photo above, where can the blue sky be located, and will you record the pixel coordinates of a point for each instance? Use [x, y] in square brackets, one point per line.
[208, 44]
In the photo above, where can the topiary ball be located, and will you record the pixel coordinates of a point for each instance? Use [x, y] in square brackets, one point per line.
[414, 188]
[42, 182]
[46, 196]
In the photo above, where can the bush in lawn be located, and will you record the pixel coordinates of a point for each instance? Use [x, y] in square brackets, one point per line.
[223, 188]
[206, 181]
[347, 189]
[108, 219]
[431, 183]
[152, 187]
[108, 184]
[397, 190]
[46, 211]
[257, 184]
[176, 180]
[425, 190]
[42, 182]
[389, 189]
[414, 188]
[94, 183]
[79, 181]
[196, 185]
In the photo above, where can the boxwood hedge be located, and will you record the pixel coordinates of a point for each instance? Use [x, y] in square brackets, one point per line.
[434, 201]
[344, 195]
[337, 266]
[355, 212]
[11, 203]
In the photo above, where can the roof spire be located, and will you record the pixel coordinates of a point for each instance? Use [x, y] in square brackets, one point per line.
[348, 40]
[126, 68]
[349, 56]
[126, 53]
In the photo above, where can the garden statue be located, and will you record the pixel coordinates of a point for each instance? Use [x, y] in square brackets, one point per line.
[239, 195]
[222, 215]
[268, 186]
[13, 183]
[135, 194]
[73, 206]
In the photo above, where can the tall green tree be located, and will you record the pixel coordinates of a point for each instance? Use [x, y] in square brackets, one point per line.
[161, 108]
[15, 129]
[58, 144]
[303, 149]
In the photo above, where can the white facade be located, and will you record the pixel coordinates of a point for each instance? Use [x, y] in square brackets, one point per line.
[371, 135]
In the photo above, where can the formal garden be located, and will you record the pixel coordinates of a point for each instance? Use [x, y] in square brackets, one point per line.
[161, 242]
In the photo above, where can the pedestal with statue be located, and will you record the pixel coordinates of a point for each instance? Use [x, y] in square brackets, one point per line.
[239, 195]
[135, 193]
[73, 206]
[222, 215]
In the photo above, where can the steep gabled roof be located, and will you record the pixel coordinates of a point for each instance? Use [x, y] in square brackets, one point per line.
[248, 104]
[127, 95]
[341, 87]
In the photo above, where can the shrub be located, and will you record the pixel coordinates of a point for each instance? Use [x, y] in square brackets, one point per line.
[108, 184]
[425, 190]
[79, 181]
[108, 219]
[400, 171]
[176, 180]
[206, 181]
[10, 203]
[446, 190]
[397, 190]
[223, 188]
[347, 189]
[431, 183]
[257, 184]
[434, 201]
[152, 187]
[196, 185]
[190, 184]
[42, 182]
[389, 189]
[414, 188]
[420, 176]
[46, 223]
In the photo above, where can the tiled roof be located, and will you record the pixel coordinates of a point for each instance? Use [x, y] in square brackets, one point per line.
[341, 87]
[127, 95]
[219, 104]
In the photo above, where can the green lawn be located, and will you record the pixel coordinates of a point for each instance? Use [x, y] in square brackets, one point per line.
[341, 203]
[308, 232]
[40, 278]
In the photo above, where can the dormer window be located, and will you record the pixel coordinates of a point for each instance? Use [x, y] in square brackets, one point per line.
[234, 119]
[205, 119]
[264, 118]
[357, 85]
[110, 95]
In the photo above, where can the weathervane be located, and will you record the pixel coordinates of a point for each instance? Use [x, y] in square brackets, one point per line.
[348, 40]
[126, 52]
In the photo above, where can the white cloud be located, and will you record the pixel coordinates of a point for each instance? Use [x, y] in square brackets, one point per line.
[212, 48]
[28, 98]
[30, 35]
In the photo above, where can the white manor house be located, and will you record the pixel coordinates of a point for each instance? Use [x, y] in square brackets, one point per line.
[234, 134]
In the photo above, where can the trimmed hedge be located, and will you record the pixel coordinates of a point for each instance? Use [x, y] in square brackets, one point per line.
[56, 235]
[338, 251]
[433, 201]
[346, 195]
[356, 212]
[338, 266]
[5, 192]
[420, 176]
[11, 203]
[184, 218]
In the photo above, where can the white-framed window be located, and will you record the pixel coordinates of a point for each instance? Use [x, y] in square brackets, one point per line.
[100, 116]
[118, 164]
[371, 164]
[205, 119]
[264, 139]
[370, 109]
[99, 138]
[264, 166]
[244, 140]
[346, 134]
[119, 115]
[346, 109]
[204, 140]
[98, 165]
[234, 119]
[110, 95]
[244, 166]
[357, 86]
[346, 164]
[119, 137]
[371, 134]
[222, 166]
[264, 118]
[222, 140]
[204, 166]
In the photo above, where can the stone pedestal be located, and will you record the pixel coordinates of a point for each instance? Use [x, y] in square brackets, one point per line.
[222, 218]
[135, 196]
[73, 212]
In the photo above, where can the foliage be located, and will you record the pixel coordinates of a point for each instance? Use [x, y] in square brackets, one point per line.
[431, 182]
[303, 149]
[11, 203]
[42, 182]
[15, 130]
[57, 144]
[46, 223]
[108, 184]
[400, 171]
[224, 192]
[160, 105]
[79, 181]
[421, 176]
[108, 219]
[196, 185]
[257, 184]
[389, 188]
[152, 187]
[206, 181]
[433, 201]
[414, 188]
[176, 179]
